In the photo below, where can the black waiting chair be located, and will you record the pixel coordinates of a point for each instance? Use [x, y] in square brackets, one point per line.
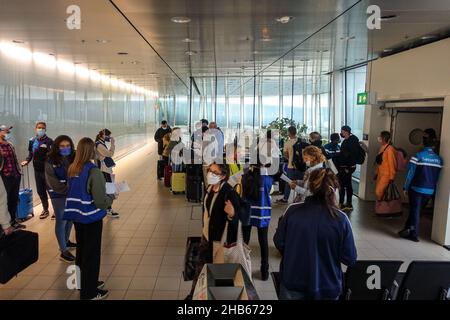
[370, 280]
[426, 280]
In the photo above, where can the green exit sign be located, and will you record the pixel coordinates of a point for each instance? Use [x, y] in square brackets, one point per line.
[362, 98]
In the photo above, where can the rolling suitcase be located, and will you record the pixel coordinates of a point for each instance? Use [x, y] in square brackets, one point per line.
[194, 171]
[178, 182]
[167, 175]
[160, 169]
[17, 251]
[191, 257]
[25, 205]
[194, 189]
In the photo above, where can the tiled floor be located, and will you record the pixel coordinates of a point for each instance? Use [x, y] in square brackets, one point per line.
[143, 250]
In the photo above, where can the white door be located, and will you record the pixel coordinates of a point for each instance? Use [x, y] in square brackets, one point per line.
[408, 128]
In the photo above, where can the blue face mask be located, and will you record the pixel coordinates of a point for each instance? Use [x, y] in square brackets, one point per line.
[40, 133]
[65, 151]
[7, 136]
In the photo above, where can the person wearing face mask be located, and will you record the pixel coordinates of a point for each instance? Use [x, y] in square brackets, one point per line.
[350, 148]
[159, 134]
[332, 149]
[314, 239]
[386, 164]
[314, 160]
[86, 206]
[104, 158]
[315, 139]
[11, 174]
[421, 181]
[219, 210]
[38, 147]
[59, 159]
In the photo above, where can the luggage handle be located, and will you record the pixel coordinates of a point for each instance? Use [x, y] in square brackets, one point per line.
[22, 181]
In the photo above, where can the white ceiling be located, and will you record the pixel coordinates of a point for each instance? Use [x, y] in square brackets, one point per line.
[225, 34]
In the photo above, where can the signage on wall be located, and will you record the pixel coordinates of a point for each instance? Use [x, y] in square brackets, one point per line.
[362, 98]
[365, 98]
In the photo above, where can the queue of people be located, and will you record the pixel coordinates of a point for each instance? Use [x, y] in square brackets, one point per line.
[75, 181]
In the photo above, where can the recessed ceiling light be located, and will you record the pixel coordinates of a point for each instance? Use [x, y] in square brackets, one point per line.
[18, 41]
[122, 53]
[190, 53]
[180, 19]
[266, 39]
[388, 17]
[102, 41]
[187, 40]
[284, 19]
[428, 37]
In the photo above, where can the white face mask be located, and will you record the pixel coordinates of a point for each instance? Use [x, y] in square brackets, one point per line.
[213, 178]
[40, 132]
[380, 140]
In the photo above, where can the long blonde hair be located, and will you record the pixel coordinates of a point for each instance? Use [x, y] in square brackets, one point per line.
[315, 153]
[85, 153]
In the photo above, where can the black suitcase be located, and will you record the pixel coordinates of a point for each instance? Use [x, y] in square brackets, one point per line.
[160, 169]
[194, 171]
[17, 251]
[194, 189]
[191, 257]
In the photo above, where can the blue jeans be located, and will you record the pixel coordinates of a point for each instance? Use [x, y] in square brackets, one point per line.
[417, 201]
[62, 227]
[292, 174]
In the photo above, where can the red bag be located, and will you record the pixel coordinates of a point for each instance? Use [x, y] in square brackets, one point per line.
[167, 175]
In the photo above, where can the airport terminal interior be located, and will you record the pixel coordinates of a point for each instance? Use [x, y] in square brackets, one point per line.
[117, 71]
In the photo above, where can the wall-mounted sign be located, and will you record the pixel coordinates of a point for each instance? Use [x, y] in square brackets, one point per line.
[362, 98]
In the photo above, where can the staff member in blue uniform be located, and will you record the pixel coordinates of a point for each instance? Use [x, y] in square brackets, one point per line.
[38, 147]
[86, 206]
[332, 149]
[420, 184]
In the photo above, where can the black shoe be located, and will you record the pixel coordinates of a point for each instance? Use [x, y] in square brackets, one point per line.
[113, 214]
[404, 233]
[66, 256]
[44, 214]
[70, 244]
[100, 285]
[16, 225]
[101, 294]
[409, 235]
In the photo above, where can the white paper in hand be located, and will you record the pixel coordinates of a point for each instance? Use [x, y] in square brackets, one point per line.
[234, 179]
[285, 178]
[110, 188]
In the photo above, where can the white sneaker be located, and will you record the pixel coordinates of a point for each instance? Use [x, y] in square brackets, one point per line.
[102, 294]
[113, 214]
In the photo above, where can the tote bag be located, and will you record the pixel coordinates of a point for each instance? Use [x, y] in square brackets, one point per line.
[238, 252]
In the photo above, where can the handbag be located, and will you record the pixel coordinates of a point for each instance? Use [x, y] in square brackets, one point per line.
[238, 252]
[391, 193]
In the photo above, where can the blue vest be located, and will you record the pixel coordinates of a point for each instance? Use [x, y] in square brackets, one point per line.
[261, 211]
[80, 205]
[61, 175]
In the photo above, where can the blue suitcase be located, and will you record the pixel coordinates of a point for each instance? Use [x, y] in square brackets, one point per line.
[25, 205]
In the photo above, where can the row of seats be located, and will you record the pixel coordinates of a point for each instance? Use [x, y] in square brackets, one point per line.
[381, 280]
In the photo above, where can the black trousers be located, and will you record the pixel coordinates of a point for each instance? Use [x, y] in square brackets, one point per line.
[345, 180]
[263, 243]
[41, 188]
[89, 246]
[12, 186]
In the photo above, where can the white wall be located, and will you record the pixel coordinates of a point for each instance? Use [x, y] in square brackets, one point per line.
[416, 74]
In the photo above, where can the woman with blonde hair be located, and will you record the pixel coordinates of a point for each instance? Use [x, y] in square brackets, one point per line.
[314, 238]
[314, 159]
[86, 206]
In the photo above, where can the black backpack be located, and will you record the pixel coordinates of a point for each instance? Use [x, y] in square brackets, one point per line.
[360, 155]
[297, 159]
